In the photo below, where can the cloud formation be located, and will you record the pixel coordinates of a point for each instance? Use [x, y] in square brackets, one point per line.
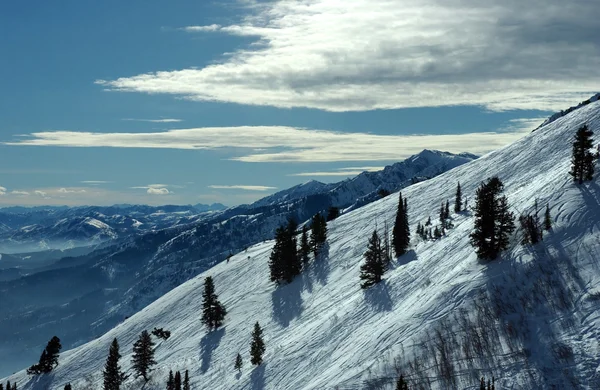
[71, 191]
[242, 187]
[158, 191]
[163, 120]
[2, 190]
[289, 144]
[382, 54]
[20, 193]
[95, 182]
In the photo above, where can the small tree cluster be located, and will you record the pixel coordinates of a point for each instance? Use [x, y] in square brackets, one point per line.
[284, 262]
[445, 215]
[112, 374]
[49, 358]
[174, 382]
[531, 227]
[143, 355]
[490, 384]
[332, 213]
[401, 384]
[374, 266]
[493, 221]
[401, 230]
[318, 234]
[582, 160]
[257, 346]
[213, 311]
[161, 333]
[9, 386]
[304, 246]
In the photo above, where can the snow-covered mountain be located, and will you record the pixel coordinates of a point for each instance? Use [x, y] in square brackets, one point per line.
[531, 318]
[116, 281]
[42, 228]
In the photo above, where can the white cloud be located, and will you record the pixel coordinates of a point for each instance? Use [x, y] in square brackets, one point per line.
[289, 144]
[212, 27]
[71, 191]
[243, 187]
[2, 190]
[40, 193]
[158, 191]
[382, 54]
[20, 193]
[164, 120]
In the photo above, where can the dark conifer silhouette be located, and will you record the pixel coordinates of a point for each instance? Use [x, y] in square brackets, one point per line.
[171, 381]
[48, 360]
[374, 266]
[67, 387]
[401, 230]
[285, 262]
[318, 234]
[582, 159]
[143, 355]
[177, 381]
[113, 376]
[304, 245]
[257, 346]
[401, 384]
[458, 199]
[547, 219]
[213, 311]
[332, 213]
[238, 363]
[493, 221]
[186, 381]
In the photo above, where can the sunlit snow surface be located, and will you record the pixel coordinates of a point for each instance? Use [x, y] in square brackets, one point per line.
[323, 331]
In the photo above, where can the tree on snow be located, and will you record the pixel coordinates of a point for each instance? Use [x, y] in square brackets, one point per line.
[374, 266]
[318, 234]
[113, 376]
[458, 199]
[285, 262]
[49, 358]
[257, 346]
[238, 363]
[213, 311]
[547, 219]
[582, 159]
[401, 230]
[186, 381]
[401, 384]
[143, 355]
[304, 245]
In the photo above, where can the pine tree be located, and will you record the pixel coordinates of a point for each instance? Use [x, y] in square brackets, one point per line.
[442, 215]
[437, 233]
[171, 381]
[482, 384]
[401, 384]
[67, 387]
[447, 210]
[318, 234]
[493, 221]
[304, 245]
[547, 219]
[177, 382]
[428, 223]
[257, 347]
[285, 262]
[277, 253]
[238, 363]
[373, 268]
[143, 355]
[582, 159]
[113, 376]
[186, 381]
[458, 199]
[401, 230]
[213, 311]
[332, 213]
[48, 359]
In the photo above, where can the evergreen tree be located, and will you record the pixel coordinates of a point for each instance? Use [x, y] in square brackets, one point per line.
[582, 159]
[401, 384]
[547, 219]
[238, 363]
[447, 210]
[442, 215]
[285, 262]
[186, 381]
[171, 381]
[332, 213]
[493, 221]
[482, 384]
[318, 234]
[428, 223]
[374, 267]
[257, 347]
[304, 245]
[277, 253]
[67, 387]
[113, 376]
[213, 311]
[49, 358]
[458, 199]
[401, 230]
[437, 233]
[177, 382]
[143, 355]
[1, 386]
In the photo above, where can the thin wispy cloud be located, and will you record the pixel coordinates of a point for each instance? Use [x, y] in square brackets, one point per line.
[162, 120]
[382, 54]
[157, 191]
[2, 190]
[95, 182]
[288, 144]
[242, 187]
[20, 193]
[71, 191]
[350, 171]
[40, 193]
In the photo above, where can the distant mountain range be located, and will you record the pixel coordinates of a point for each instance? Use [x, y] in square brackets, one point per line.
[143, 252]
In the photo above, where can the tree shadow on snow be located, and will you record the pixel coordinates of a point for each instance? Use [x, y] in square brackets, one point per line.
[287, 302]
[208, 344]
[39, 382]
[406, 258]
[257, 379]
[378, 297]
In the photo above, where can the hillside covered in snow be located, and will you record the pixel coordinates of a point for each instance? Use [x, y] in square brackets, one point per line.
[441, 317]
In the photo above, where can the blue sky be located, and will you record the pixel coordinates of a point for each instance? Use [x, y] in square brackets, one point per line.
[197, 101]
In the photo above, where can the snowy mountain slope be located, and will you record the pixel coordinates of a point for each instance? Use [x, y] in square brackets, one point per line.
[322, 331]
